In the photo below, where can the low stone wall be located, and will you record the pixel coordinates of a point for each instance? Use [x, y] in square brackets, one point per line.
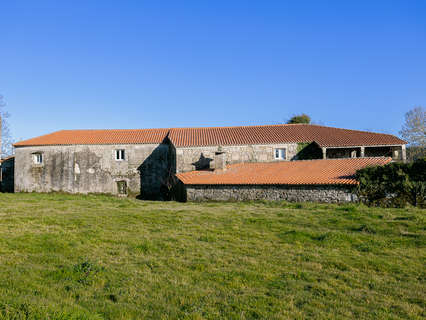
[311, 193]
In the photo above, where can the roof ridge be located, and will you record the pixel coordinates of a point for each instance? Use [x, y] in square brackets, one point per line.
[140, 129]
[248, 126]
[353, 130]
[328, 159]
[227, 127]
[180, 128]
[308, 160]
[203, 136]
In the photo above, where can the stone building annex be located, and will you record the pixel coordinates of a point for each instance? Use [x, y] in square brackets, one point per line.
[293, 162]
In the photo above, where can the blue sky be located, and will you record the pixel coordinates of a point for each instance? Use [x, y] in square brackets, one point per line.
[144, 64]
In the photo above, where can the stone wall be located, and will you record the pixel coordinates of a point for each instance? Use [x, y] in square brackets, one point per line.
[311, 193]
[93, 169]
[197, 158]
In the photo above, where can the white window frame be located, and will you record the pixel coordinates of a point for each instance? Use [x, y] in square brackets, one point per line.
[37, 158]
[120, 155]
[280, 153]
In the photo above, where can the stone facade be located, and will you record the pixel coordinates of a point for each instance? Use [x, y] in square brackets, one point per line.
[312, 193]
[94, 169]
[198, 158]
[148, 169]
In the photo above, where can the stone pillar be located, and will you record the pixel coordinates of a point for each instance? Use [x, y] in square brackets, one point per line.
[395, 154]
[362, 155]
[324, 153]
[404, 153]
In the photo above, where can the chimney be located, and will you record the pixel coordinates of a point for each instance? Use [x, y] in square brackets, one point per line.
[219, 162]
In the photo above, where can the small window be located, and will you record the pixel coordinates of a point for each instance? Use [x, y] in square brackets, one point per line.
[120, 155]
[122, 187]
[37, 158]
[280, 154]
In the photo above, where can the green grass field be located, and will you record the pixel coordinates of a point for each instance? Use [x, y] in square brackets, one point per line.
[100, 257]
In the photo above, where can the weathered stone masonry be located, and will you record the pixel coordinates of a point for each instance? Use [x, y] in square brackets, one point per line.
[196, 158]
[93, 168]
[314, 193]
[83, 161]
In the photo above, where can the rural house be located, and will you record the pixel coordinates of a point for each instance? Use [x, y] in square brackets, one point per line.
[156, 163]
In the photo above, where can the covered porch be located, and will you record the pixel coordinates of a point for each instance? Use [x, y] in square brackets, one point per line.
[397, 153]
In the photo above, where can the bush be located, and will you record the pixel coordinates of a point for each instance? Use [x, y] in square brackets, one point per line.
[393, 185]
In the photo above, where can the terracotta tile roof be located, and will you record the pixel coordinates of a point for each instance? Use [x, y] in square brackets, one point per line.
[269, 134]
[187, 137]
[307, 172]
[72, 137]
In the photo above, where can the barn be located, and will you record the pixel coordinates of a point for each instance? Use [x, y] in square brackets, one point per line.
[147, 162]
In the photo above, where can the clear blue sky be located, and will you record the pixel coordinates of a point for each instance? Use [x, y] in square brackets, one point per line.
[142, 64]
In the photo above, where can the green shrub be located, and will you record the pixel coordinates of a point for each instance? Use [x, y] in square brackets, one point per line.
[393, 185]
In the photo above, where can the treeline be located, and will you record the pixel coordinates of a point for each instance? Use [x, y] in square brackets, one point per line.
[415, 153]
[393, 185]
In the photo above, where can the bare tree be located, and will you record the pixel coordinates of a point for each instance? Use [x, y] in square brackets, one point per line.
[413, 131]
[414, 128]
[6, 140]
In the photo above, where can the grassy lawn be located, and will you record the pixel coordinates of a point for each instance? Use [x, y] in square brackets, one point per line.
[100, 257]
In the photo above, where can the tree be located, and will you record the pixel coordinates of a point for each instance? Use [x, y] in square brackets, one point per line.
[6, 138]
[414, 128]
[302, 118]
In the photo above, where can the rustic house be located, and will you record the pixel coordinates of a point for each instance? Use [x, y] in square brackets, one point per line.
[147, 162]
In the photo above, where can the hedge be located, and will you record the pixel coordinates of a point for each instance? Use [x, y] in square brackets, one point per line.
[393, 185]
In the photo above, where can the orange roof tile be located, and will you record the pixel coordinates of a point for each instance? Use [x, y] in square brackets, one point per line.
[269, 134]
[85, 137]
[188, 137]
[305, 172]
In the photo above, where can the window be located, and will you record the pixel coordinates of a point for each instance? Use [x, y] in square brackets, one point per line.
[280, 154]
[37, 158]
[122, 187]
[120, 155]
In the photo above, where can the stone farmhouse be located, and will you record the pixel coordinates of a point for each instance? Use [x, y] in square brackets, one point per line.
[293, 162]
